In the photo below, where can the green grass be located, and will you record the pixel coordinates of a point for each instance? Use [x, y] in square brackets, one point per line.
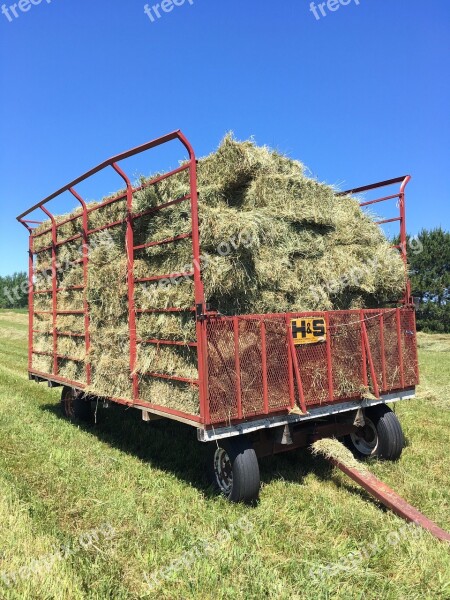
[58, 481]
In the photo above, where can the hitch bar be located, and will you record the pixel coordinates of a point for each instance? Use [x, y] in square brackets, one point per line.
[393, 501]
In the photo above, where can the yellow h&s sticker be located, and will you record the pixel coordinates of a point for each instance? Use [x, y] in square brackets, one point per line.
[308, 330]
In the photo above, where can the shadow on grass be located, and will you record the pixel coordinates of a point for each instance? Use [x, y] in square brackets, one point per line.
[173, 447]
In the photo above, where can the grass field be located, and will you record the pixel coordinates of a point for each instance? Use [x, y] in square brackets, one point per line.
[96, 511]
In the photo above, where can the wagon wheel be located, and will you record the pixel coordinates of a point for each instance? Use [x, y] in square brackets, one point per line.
[381, 437]
[75, 405]
[234, 470]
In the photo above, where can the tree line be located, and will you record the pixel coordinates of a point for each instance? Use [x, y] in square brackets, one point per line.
[430, 280]
[14, 291]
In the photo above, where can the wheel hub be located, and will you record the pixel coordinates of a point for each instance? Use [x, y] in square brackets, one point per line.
[223, 471]
[365, 439]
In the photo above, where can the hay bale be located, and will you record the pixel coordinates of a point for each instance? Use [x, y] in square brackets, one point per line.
[43, 364]
[168, 360]
[166, 327]
[75, 371]
[70, 323]
[174, 395]
[43, 323]
[72, 347]
[109, 356]
[294, 199]
[42, 343]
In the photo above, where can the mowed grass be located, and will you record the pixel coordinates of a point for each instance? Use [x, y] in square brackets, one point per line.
[59, 481]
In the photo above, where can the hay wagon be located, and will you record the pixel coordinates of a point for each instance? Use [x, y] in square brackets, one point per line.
[267, 383]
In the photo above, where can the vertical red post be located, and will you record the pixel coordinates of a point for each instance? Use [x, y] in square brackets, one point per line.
[54, 292]
[290, 363]
[329, 359]
[403, 237]
[383, 352]
[202, 345]
[87, 338]
[30, 300]
[294, 361]
[264, 367]
[400, 347]
[130, 278]
[363, 351]
[237, 366]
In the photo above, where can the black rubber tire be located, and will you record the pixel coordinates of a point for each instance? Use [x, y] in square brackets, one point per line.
[75, 405]
[390, 438]
[244, 467]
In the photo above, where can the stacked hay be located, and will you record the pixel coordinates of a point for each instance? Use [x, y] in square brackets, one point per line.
[272, 240]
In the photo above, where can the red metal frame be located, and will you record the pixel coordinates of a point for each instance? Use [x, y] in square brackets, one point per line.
[85, 236]
[199, 300]
[296, 380]
[369, 354]
[401, 197]
[293, 379]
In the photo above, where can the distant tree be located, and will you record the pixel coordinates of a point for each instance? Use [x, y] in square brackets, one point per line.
[430, 278]
[14, 291]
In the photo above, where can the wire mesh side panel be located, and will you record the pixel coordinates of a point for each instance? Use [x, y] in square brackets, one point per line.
[375, 335]
[409, 348]
[249, 370]
[250, 365]
[277, 363]
[391, 352]
[346, 352]
[222, 376]
[312, 362]
[251, 377]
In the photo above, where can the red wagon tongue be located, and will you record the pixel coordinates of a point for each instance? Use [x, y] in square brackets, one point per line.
[393, 501]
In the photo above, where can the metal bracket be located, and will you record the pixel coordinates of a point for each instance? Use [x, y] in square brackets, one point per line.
[54, 384]
[283, 435]
[199, 314]
[359, 418]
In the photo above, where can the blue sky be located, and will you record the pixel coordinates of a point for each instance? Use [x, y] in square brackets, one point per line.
[360, 95]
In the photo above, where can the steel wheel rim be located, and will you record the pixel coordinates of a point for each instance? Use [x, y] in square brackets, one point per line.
[366, 439]
[223, 471]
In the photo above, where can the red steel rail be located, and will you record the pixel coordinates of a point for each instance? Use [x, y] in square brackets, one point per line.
[400, 197]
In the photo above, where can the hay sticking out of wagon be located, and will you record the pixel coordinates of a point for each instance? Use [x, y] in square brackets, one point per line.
[332, 448]
[272, 240]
